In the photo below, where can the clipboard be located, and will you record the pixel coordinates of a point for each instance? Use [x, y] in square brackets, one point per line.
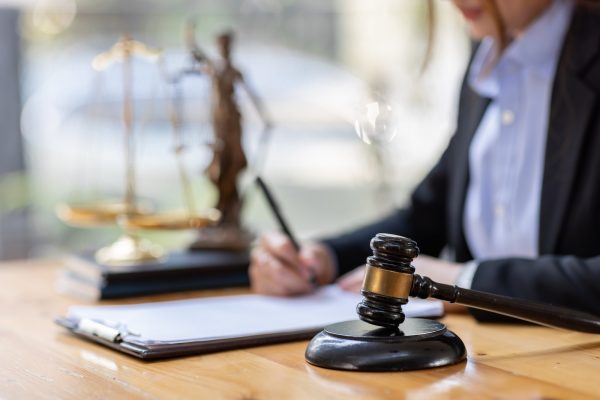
[157, 350]
[198, 326]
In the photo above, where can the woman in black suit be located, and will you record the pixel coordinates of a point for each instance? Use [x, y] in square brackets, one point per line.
[515, 198]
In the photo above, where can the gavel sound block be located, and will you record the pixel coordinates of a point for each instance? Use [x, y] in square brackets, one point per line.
[384, 340]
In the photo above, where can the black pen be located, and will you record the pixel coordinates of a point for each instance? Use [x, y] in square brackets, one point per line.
[282, 223]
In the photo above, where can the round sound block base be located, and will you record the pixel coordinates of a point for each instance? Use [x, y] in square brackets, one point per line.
[359, 346]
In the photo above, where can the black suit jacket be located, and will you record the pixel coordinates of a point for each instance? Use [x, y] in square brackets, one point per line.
[568, 269]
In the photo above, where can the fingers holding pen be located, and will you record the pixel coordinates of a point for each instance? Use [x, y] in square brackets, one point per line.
[273, 275]
[316, 259]
[280, 246]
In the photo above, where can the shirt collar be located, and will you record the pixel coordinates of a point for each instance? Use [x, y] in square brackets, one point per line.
[538, 47]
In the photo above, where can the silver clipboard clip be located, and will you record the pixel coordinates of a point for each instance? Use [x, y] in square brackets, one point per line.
[111, 332]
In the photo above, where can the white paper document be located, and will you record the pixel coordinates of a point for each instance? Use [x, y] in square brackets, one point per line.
[236, 316]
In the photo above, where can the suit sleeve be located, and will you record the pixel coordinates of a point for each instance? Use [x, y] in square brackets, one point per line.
[424, 220]
[566, 281]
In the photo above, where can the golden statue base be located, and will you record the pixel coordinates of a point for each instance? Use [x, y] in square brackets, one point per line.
[128, 250]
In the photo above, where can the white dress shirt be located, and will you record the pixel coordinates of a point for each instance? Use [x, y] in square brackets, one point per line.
[506, 156]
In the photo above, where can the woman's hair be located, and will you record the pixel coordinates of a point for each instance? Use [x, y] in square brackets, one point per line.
[489, 5]
[500, 35]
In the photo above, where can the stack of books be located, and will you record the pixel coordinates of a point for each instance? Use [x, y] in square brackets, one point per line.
[83, 277]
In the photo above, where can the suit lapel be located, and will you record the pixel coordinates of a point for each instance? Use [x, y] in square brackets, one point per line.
[570, 112]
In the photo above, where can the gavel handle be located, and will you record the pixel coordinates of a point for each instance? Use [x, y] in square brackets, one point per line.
[543, 314]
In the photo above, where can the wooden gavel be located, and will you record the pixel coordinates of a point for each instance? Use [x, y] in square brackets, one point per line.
[390, 279]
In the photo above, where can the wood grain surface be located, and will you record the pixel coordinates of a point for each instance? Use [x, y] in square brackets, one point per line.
[41, 360]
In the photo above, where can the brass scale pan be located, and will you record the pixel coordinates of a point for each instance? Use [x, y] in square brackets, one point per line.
[142, 217]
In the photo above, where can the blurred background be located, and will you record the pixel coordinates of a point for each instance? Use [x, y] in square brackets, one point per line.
[319, 66]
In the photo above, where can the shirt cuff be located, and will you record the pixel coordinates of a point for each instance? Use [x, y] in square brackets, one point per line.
[465, 278]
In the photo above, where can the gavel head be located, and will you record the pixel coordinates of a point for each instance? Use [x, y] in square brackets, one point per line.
[388, 280]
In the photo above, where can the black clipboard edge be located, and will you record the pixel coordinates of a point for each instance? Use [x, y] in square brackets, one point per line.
[157, 351]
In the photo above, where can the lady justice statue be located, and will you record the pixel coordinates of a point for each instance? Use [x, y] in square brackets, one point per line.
[228, 159]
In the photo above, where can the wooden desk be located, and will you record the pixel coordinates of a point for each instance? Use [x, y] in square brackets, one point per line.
[41, 360]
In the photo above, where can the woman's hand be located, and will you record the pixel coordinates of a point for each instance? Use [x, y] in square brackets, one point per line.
[276, 268]
[441, 271]
[352, 281]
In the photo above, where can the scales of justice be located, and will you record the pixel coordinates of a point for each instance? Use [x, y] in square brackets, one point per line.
[218, 228]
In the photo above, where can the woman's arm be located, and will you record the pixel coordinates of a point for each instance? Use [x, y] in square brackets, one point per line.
[560, 280]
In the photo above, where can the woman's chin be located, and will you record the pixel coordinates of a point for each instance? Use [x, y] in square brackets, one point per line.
[477, 33]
